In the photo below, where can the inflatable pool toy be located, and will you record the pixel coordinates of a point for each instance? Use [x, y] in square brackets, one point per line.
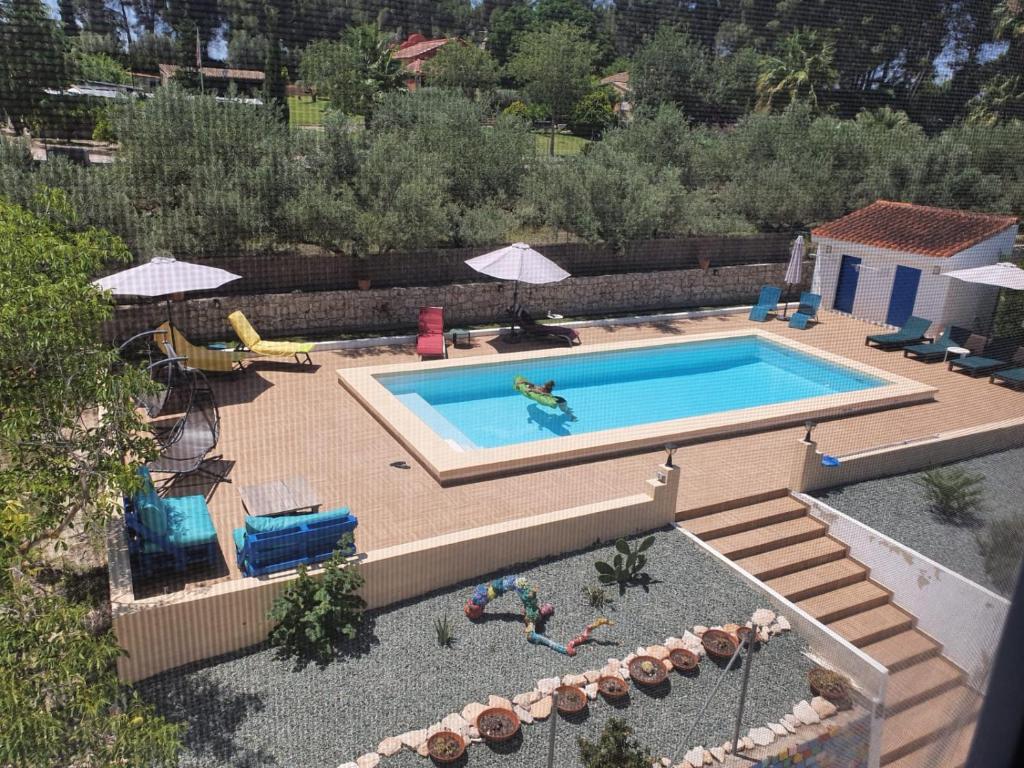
[522, 386]
[534, 613]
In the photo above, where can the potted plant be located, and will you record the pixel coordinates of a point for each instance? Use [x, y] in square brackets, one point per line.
[647, 670]
[612, 686]
[446, 746]
[830, 685]
[684, 660]
[719, 643]
[497, 724]
[570, 699]
[362, 272]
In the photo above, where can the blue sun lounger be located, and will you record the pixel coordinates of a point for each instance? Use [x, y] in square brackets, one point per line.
[978, 365]
[767, 303]
[806, 312]
[1012, 376]
[953, 336]
[912, 332]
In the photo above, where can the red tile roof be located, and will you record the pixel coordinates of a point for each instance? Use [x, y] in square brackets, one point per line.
[939, 232]
[415, 50]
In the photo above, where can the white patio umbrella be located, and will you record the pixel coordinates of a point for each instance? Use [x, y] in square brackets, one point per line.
[1002, 275]
[794, 270]
[163, 276]
[520, 263]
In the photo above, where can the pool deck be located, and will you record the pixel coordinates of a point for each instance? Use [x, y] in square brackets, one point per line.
[280, 420]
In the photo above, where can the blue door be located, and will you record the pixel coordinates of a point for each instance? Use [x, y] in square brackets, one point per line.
[904, 294]
[846, 287]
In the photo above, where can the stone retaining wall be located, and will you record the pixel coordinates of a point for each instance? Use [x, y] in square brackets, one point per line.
[395, 309]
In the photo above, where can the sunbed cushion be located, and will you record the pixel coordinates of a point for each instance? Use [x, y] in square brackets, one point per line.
[283, 522]
[188, 521]
[976, 361]
[239, 538]
[1011, 374]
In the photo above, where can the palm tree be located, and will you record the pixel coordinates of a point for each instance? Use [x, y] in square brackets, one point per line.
[803, 66]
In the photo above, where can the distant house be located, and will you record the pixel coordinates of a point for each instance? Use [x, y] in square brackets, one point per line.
[219, 79]
[619, 82]
[413, 52]
[886, 262]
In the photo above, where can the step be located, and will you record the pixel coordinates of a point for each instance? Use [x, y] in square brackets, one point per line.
[902, 650]
[745, 518]
[798, 557]
[920, 682]
[871, 626]
[769, 537]
[846, 601]
[722, 506]
[911, 729]
[819, 579]
[947, 751]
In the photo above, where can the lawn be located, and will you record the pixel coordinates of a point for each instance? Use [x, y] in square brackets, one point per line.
[304, 111]
[565, 144]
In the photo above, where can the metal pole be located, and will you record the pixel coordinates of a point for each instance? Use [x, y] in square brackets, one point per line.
[551, 731]
[751, 640]
[725, 672]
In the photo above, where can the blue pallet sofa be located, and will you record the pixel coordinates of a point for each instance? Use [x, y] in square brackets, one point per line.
[270, 544]
[177, 531]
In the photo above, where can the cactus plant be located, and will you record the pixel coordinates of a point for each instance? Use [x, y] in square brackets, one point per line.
[627, 566]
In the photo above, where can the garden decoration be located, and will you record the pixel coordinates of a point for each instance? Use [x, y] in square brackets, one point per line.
[446, 746]
[647, 670]
[534, 613]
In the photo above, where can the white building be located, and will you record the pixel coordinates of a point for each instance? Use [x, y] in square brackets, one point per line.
[886, 262]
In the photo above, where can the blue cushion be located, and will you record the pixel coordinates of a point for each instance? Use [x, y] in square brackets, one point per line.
[283, 522]
[239, 536]
[150, 506]
[976, 361]
[188, 521]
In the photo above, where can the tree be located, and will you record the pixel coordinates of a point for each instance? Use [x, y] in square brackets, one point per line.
[505, 27]
[554, 67]
[247, 50]
[802, 68]
[274, 73]
[69, 423]
[672, 68]
[592, 114]
[463, 67]
[101, 68]
[26, 70]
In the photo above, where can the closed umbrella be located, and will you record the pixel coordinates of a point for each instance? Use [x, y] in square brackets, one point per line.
[794, 269]
[520, 263]
[163, 276]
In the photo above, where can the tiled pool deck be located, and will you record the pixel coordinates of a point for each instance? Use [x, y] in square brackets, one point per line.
[280, 420]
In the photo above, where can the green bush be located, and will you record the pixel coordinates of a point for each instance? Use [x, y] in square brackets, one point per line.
[102, 68]
[314, 615]
[592, 114]
[953, 493]
[627, 565]
[616, 748]
[1002, 545]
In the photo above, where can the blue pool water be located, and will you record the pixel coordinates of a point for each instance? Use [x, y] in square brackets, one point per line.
[476, 406]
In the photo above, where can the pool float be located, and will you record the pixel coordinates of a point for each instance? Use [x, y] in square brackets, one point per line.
[522, 386]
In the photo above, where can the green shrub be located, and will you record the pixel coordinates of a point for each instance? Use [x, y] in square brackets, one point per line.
[314, 615]
[444, 629]
[953, 493]
[595, 597]
[616, 748]
[1002, 544]
[627, 565]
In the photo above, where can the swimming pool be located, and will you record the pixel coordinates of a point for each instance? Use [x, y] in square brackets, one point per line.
[466, 415]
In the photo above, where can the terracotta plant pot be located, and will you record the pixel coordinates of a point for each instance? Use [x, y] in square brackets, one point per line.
[719, 643]
[830, 685]
[647, 670]
[363, 283]
[612, 686]
[684, 660]
[497, 724]
[743, 632]
[446, 746]
[571, 699]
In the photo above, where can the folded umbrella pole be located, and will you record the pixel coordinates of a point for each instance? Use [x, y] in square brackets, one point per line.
[794, 270]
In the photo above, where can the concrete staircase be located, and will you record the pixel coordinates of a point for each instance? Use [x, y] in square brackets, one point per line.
[930, 711]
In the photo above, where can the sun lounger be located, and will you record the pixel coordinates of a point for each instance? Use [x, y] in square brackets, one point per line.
[270, 544]
[174, 343]
[807, 311]
[257, 346]
[533, 329]
[912, 332]
[978, 364]
[767, 303]
[430, 341]
[953, 336]
[1012, 376]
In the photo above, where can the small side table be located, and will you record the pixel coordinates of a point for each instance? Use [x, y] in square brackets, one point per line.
[457, 334]
[961, 351]
[279, 497]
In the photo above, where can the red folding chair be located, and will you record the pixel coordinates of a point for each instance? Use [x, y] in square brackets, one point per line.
[431, 341]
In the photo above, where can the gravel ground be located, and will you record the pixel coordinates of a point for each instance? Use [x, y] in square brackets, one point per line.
[260, 710]
[897, 507]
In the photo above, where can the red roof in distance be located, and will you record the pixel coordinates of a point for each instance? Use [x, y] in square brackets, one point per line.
[939, 232]
[416, 46]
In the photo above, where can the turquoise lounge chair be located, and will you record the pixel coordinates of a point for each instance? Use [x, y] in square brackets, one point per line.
[807, 311]
[1012, 376]
[912, 332]
[953, 336]
[767, 303]
[978, 365]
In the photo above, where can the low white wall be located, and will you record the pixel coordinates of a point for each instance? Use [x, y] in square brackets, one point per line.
[966, 618]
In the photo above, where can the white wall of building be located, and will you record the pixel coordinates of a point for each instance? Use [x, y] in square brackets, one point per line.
[942, 300]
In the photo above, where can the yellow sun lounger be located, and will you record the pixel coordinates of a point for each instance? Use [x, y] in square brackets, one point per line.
[209, 360]
[253, 343]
